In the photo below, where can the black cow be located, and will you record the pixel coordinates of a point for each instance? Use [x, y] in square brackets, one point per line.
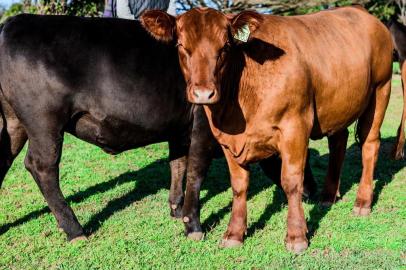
[108, 82]
[398, 32]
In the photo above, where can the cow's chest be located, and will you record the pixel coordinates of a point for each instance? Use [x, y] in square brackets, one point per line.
[246, 142]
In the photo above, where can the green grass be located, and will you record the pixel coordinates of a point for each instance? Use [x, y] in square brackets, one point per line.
[122, 201]
[396, 68]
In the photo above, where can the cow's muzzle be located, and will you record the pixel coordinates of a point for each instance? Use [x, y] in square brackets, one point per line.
[203, 96]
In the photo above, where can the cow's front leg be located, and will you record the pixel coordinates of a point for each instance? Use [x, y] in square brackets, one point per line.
[178, 163]
[42, 160]
[201, 152]
[198, 164]
[178, 151]
[237, 226]
[293, 148]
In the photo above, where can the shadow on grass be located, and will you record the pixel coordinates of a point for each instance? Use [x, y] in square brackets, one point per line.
[221, 183]
[150, 180]
[351, 173]
[154, 177]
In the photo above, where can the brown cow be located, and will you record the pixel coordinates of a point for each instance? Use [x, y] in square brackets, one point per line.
[286, 80]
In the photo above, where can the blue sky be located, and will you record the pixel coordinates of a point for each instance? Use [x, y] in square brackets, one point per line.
[6, 3]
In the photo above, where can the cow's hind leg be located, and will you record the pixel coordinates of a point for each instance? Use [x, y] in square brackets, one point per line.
[272, 169]
[369, 135]
[337, 145]
[178, 163]
[42, 160]
[12, 139]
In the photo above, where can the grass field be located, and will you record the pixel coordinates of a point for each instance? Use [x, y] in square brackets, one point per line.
[122, 203]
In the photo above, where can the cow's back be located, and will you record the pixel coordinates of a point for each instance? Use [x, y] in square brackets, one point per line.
[336, 57]
[109, 68]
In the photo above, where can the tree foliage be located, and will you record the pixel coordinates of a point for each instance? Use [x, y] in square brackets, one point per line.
[401, 6]
[90, 8]
[383, 9]
[284, 7]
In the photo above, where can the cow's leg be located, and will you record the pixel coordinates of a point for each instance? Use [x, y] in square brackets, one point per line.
[398, 150]
[368, 132]
[337, 145]
[178, 163]
[42, 160]
[237, 226]
[201, 152]
[309, 184]
[272, 169]
[198, 164]
[12, 139]
[293, 149]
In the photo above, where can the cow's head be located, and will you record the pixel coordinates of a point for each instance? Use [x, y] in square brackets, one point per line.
[203, 37]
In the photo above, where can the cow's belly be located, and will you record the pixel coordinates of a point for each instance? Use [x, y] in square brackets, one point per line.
[339, 109]
[112, 135]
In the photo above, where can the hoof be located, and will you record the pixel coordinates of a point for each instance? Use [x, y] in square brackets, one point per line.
[79, 238]
[361, 211]
[60, 229]
[297, 247]
[195, 236]
[176, 211]
[176, 214]
[230, 243]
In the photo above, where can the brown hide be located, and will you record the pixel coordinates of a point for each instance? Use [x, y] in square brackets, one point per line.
[295, 78]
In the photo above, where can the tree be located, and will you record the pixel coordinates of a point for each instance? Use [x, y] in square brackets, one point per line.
[56, 7]
[268, 6]
[401, 5]
[382, 9]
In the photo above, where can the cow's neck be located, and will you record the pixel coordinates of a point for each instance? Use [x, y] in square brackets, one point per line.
[227, 118]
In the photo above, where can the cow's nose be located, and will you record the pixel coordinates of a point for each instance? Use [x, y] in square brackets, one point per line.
[203, 96]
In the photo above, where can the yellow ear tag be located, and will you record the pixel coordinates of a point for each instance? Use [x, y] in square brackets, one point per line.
[243, 33]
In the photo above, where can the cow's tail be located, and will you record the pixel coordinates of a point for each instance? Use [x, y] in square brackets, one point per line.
[398, 149]
[2, 116]
[356, 133]
[3, 142]
[12, 132]
[12, 137]
[3, 125]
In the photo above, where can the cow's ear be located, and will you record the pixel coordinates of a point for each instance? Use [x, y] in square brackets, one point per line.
[160, 24]
[244, 24]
